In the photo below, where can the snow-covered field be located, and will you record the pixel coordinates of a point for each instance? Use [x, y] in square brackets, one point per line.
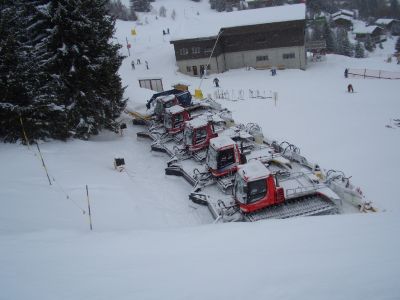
[150, 242]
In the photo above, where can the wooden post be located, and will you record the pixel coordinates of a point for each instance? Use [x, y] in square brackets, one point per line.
[23, 130]
[90, 214]
[44, 165]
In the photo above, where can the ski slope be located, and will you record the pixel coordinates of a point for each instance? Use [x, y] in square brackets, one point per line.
[150, 242]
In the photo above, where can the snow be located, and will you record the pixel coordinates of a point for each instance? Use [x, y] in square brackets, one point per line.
[150, 242]
[209, 26]
[254, 169]
[221, 141]
[384, 21]
[361, 28]
[174, 109]
[197, 122]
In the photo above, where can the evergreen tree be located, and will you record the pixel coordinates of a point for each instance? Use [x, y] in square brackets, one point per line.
[368, 44]
[359, 50]
[220, 5]
[343, 43]
[162, 11]
[140, 5]
[397, 47]
[329, 38]
[394, 8]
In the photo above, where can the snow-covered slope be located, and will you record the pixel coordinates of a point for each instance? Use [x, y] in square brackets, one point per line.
[150, 242]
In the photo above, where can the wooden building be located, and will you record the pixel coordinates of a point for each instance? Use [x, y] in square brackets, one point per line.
[343, 18]
[259, 38]
[376, 34]
[391, 26]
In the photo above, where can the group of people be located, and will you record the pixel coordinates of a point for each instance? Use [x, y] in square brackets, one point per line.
[164, 32]
[138, 63]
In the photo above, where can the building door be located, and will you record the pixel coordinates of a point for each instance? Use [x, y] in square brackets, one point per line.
[194, 68]
[201, 70]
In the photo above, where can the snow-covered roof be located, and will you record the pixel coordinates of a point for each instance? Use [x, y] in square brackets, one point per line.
[210, 25]
[385, 21]
[362, 29]
[221, 141]
[174, 109]
[197, 122]
[344, 17]
[180, 82]
[343, 12]
[253, 170]
[166, 98]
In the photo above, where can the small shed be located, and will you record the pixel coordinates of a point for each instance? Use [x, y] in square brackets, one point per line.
[152, 83]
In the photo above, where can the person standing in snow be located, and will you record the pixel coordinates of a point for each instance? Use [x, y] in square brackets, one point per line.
[350, 88]
[138, 61]
[346, 73]
[147, 64]
[216, 82]
[133, 65]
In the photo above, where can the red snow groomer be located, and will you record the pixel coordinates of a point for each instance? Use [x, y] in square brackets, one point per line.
[198, 133]
[175, 118]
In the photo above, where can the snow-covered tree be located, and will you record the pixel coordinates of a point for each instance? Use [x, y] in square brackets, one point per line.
[173, 15]
[397, 46]
[16, 72]
[359, 50]
[329, 37]
[368, 44]
[120, 11]
[140, 5]
[162, 11]
[344, 47]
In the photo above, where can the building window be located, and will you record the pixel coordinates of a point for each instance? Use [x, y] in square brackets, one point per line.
[188, 69]
[288, 55]
[183, 51]
[207, 51]
[262, 58]
[195, 50]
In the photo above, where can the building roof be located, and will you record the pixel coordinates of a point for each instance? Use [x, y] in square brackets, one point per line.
[210, 25]
[343, 12]
[362, 29]
[385, 21]
[342, 17]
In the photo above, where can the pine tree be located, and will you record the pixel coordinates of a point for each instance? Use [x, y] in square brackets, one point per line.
[368, 44]
[329, 38]
[173, 15]
[397, 47]
[220, 5]
[359, 50]
[140, 5]
[343, 42]
[162, 11]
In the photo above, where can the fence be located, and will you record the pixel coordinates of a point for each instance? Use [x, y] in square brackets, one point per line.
[366, 73]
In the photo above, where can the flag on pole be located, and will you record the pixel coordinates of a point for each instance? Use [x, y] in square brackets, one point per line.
[133, 31]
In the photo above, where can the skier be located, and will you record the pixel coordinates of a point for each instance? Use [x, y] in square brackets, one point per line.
[147, 64]
[167, 30]
[138, 61]
[133, 65]
[346, 73]
[163, 32]
[216, 82]
[350, 88]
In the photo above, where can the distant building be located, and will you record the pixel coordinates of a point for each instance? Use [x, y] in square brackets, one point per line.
[392, 26]
[343, 18]
[258, 38]
[376, 33]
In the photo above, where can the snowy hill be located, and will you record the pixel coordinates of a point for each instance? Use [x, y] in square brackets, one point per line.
[150, 242]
